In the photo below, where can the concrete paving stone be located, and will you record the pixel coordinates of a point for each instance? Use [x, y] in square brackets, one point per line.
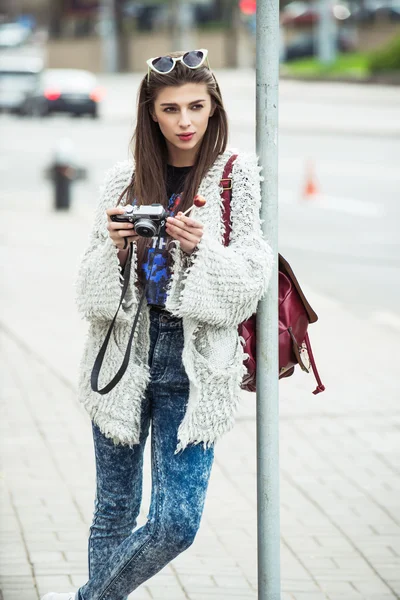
[357, 596]
[61, 568]
[236, 593]
[360, 562]
[343, 575]
[76, 556]
[6, 579]
[28, 595]
[238, 583]
[319, 563]
[12, 553]
[308, 544]
[294, 572]
[19, 584]
[334, 553]
[167, 593]
[372, 586]
[383, 529]
[53, 546]
[220, 596]
[332, 571]
[391, 576]
[165, 577]
[141, 593]
[10, 525]
[46, 557]
[15, 569]
[77, 535]
[334, 586]
[35, 536]
[379, 553]
[302, 585]
[379, 597]
[197, 580]
[384, 540]
[53, 582]
[310, 596]
[21, 561]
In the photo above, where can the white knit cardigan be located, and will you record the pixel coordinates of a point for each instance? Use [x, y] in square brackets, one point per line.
[213, 292]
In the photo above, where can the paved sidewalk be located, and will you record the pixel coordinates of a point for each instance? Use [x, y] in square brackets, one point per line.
[340, 475]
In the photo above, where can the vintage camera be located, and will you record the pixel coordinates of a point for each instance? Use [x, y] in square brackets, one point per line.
[147, 219]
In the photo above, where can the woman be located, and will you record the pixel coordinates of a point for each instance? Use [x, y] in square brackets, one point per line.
[186, 363]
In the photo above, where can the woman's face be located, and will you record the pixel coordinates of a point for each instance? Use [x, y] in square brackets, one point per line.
[183, 110]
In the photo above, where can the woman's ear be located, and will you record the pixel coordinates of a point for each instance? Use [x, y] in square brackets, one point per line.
[153, 116]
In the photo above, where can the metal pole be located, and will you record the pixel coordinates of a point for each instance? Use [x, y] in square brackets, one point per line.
[182, 19]
[268, 526]
[326, 33]
[108, 33]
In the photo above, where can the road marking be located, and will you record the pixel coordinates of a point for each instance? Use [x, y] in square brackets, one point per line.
[387, 319]
[350, 206]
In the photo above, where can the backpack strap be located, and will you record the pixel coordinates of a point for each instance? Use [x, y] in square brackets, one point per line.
[320, 387]
[226, 184]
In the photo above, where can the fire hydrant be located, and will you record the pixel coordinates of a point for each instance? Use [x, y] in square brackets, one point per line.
[63, 172]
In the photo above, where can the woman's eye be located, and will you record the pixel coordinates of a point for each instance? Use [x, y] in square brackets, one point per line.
[172, 109]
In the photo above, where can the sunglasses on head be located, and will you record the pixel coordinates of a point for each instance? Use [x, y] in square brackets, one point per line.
[165, 64]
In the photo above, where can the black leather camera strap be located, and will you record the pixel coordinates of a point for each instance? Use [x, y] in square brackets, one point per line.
[94, 379]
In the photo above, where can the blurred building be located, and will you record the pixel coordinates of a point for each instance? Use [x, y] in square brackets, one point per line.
[143, 29]
[225, 27]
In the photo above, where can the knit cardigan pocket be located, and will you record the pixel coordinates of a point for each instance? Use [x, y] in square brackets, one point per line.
[117, 413]
[223, 285]
[99, 280]
[214, 362]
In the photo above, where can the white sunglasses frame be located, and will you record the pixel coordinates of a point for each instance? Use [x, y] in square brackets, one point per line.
[151, 67]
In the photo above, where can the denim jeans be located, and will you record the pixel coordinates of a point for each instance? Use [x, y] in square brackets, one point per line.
[121, 559]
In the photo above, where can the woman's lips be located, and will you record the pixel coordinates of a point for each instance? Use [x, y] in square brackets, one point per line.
[186, 137]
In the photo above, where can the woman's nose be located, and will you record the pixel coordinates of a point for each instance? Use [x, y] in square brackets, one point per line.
[184, 120]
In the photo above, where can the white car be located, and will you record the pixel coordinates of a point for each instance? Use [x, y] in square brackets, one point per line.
[19, 76]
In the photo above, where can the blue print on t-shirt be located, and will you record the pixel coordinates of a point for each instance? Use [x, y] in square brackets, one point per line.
[157, 258]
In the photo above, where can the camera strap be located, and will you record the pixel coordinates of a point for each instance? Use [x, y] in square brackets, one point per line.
[94, 379]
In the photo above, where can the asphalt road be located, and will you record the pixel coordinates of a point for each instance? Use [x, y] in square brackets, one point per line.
[344, 243]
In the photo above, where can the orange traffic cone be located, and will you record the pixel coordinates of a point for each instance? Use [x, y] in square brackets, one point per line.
[310, 189]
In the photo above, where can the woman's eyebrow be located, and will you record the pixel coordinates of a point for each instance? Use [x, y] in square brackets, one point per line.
[175, 104]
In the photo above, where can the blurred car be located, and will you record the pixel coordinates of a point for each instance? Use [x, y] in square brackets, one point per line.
[300, 12]
[72, 91]
[304, 46]
[19, 76]
[371, 10]
[13, 35]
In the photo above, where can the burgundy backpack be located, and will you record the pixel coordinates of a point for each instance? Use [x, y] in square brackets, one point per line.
[295, 313]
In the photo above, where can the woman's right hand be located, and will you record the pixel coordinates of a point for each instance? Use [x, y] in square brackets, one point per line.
[119, 231]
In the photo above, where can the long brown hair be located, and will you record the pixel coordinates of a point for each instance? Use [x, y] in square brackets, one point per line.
[149, 148]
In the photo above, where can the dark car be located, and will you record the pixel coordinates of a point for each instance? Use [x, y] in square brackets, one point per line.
[19, 77]
[72, 91]
[304, 46]
[371, 10]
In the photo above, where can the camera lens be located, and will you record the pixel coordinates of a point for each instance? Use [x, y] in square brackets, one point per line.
[145, 228]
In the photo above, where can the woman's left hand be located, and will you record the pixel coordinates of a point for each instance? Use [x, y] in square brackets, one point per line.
[186, 230]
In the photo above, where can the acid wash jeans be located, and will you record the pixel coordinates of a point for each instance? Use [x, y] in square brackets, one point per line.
[121, 560]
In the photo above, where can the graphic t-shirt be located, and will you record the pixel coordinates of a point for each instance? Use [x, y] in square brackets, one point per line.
[160, 272]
